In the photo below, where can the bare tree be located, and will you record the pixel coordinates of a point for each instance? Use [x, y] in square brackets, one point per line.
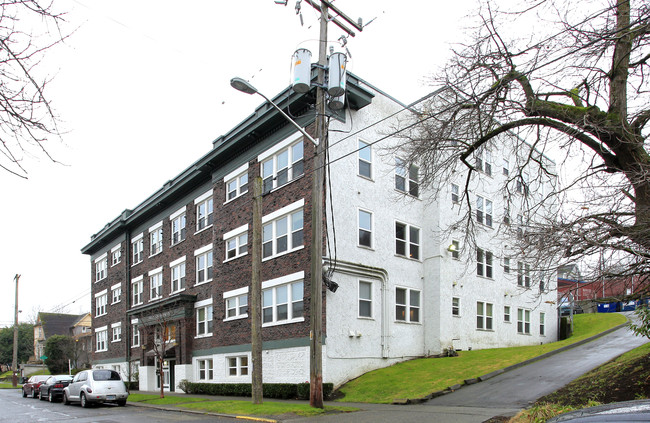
[28, 30]
[159, 332]
[568, 80]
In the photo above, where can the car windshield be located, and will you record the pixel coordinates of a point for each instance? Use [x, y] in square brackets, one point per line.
[106, 375]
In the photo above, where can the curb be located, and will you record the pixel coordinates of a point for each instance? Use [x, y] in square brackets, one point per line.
[505, 369]
[204, 413]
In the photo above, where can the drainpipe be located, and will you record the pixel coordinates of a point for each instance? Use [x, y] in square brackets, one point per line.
[127, 300]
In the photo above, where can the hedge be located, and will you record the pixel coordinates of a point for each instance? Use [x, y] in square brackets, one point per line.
[271, 390]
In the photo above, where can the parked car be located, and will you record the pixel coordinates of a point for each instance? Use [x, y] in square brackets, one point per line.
[565, 310]
[52, 388]
[626, 411]
[32, 385]
[96, 386]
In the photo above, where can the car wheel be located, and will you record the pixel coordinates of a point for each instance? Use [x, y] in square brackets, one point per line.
[121, 403]
[34, 393]
[66, 401]
[40, 395]
[83, 400]
[50, 397]
[24, 394]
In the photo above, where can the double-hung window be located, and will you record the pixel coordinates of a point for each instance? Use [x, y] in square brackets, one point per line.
[506, 167]
[137, 246]
[455, 306]
[484, 211]
[135, 334]
[236, 303]
[484, 315]
[117, 332]
[455, 249]
[523, 274]
[101, 339]
[283, 163]
[204, 211]
[155, 239]
[236, 242]
[203, 264]
[523, 321]
[178, 274]
[137, 287]
[282, 299]
[236, 182]
[484, 162]
[365, 229]
[116, 254]
[407, 305]
[365, 159]
[155, 284]
[506, 265]
[178, 220]
[483, 263]
[116, 293]
[407, 240]
[206, 369]
[407, 179]
[101, 300]
[506, 314]
[455, 193]
[365, 299]
[542, 323]
[282, 230]
[101, 265]
[238, 366]
[203, 318]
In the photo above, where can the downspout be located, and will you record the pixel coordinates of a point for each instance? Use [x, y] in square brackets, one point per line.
[357, 269]
[127, 300]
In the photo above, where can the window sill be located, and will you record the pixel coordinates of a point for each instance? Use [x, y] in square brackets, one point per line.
[485, 330]
[408, 258]
[115, 264]
[202, 230]
[522, 333]
[365, 247]
[176, 243]
[99, 280]
[136, 305]
[115, 340]
[154, 255]
[171, 294]
[136, 263]
[366, 318]
[116, 302]
[457, 316]
[406, 194]
[203, 283]
[366, 178]
[153, 300]
[206, 335]
[281, 186]
[135, 346]
[241, 316]
[283, 253]
[283, 322]
[234, 198]
[404, 322]
[235, 258]
[98, 351]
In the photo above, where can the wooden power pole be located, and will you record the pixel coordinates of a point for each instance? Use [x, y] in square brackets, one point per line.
[256, 294]
[14, 364]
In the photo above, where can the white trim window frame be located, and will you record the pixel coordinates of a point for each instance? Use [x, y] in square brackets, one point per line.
[507, 317]
[177, 270]
[236, 303]
[204, 261]
[204, 206]
[135, 333]
[101, 303]
[364, 154]
[484, 316]
[506, 167]
[407, 305]
[407, 240]
[101, 267]
[282, 163]
[484, 263]
[116, 255]
[101, 339]
[137, 288]
[237, 366]
[455, 193]
[364, 225]
[542, 324]
[155, 239]
[236, 183]
[484, 161]
[116, 293]
[155, 284]
[523, 274]
[137, 247]
[236, 242]
[484, 211]
[178, 226]
[455, 306]
[407, 178]
[523, 321]
[204, 318]
[365, 300]
[116, 328]
[282, 231]
[455, 253]
[205, 369]
[283, 300]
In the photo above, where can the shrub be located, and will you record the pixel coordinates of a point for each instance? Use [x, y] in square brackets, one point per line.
[271, 390]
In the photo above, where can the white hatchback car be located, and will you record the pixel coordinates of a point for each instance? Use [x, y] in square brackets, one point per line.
[96, 386]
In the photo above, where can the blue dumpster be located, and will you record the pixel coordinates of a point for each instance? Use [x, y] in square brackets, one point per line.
[606, 307]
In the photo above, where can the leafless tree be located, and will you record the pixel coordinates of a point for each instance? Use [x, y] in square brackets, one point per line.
[28, 30]
[567, 80]
[159, 331]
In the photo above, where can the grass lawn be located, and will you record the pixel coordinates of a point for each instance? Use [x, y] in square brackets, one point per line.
[418, 378]
[168, 400]
[8, 385]
[268, 408]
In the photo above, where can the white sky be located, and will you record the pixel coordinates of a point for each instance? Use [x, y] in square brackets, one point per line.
[142, 88]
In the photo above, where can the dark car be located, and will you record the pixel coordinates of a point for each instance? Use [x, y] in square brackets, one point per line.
[626, 411]
[32, 385]
[52, 388]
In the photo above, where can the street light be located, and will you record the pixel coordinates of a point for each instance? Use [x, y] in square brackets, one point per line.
[244, 86]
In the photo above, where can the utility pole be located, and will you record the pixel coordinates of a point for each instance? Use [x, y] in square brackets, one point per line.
[14, 364]
[256, 294]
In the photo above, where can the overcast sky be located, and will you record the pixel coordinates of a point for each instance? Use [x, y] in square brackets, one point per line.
[142, 89]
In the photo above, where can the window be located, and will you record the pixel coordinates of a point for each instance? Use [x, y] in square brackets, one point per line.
[282, 235]
[236, 307]
[407, 305]
[136, 291]
[178, 275]
[365, 299]
[236, 246]
[523, 274]
[178, 226]
[155, 240]
[101, 299]
[484, 211]
[206, 369]
[101, 338]
[155, 284]
[204, 319]
[506, 314]
[100, 268]
[523, 321]
[483, 263]
[455, 306]
[116, 294]
[238, 366]
[506, 215]
[365, 159]
[407, 241]
[522, 184]
[542, 321]
[483, 316]
[236, 182]
[365, 229]
[506, 167]
[203, 264]
[455, 193]
[117, 332]
[137, 245]
[455, 249]
[283, 167]
[282, 303]
[116, 255]
[204, 209]
[407, 177]
[135, 336]
[506, 265]
[484, 162]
